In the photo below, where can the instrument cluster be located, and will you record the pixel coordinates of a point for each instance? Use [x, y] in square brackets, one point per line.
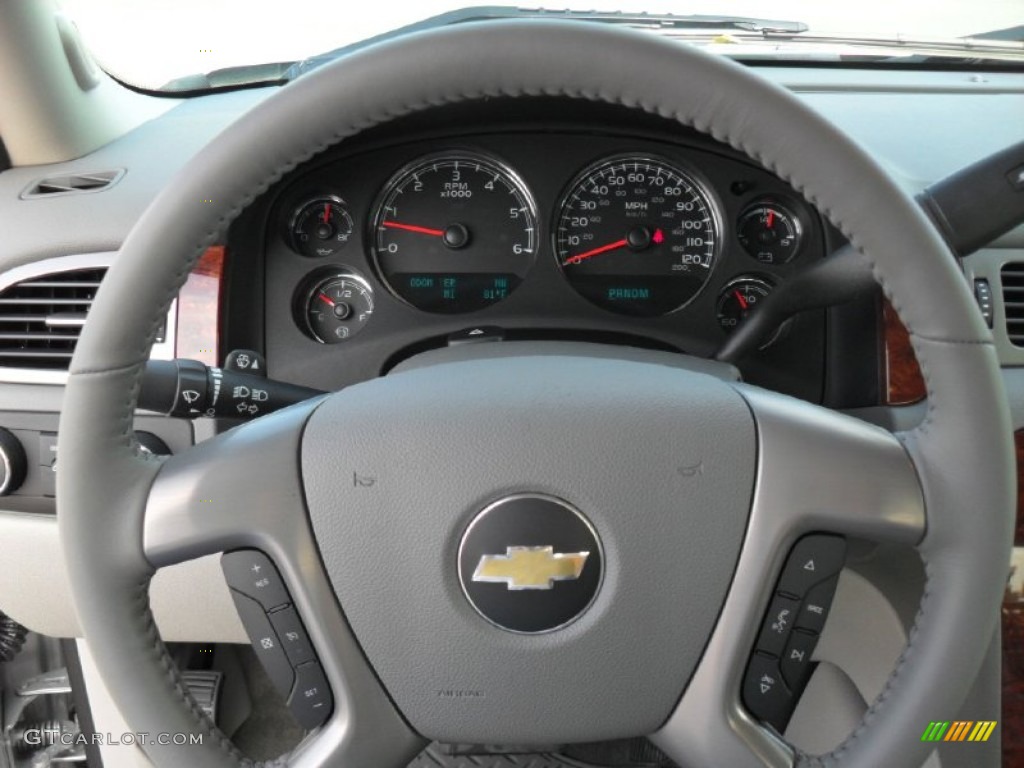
[559, 235]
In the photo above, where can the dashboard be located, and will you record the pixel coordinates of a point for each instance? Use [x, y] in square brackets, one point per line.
[327, 230]
[554, 221]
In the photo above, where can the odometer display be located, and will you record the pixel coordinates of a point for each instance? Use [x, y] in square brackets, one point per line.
[454, 233]
[637, 236]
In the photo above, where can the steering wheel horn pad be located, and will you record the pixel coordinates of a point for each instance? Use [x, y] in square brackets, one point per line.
[444, 442]
[374, 574]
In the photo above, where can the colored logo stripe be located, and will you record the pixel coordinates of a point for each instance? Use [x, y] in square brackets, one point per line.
[982, 731]
[958, 730]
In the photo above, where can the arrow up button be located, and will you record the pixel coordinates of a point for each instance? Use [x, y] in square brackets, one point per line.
[814, 559]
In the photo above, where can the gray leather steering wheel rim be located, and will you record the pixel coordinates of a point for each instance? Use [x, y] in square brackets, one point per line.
[962, 450]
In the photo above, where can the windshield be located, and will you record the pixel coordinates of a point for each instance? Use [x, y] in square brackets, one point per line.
[175, 44]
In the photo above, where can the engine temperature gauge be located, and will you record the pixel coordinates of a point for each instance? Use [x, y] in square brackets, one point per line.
[738, 299]
[769, 233]
[321, 227]
[337, 307]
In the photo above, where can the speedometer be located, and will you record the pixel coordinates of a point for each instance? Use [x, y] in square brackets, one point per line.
[637, 235]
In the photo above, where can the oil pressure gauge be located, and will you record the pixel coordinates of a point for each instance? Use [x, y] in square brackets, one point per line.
[335, 306]
[321, 227]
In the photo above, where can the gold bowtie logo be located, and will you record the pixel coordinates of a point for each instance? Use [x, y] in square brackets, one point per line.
[530, 567]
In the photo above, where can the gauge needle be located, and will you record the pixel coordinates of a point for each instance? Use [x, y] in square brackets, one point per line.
[769, 219]
[327, 213]
[413, 228]
[325, 299]
[595, 252]
[740, 299]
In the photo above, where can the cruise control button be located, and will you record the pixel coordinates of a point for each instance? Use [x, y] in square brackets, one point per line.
[264, 642]
[292, 635]
[310, 702]
[796, 659]
[765, 694]
[815, 608]
[250, 572]
[813, 559]
[777, 624]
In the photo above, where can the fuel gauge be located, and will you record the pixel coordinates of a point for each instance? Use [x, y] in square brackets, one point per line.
[321, 227]
[336, 306]
[769, 233]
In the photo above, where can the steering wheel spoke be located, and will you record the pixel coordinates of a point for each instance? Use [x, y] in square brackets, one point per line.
[239, 489]
[818, 471]
[242, 489]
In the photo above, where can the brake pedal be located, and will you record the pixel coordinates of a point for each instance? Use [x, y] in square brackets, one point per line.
[204, 685]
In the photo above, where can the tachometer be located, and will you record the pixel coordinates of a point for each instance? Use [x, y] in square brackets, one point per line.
[454, 233]
[637, 235]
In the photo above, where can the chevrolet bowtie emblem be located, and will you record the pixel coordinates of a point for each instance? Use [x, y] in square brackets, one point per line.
[530, 567]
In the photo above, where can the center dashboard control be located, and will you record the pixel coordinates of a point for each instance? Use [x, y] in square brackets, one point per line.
[781, 663]
[277, 634]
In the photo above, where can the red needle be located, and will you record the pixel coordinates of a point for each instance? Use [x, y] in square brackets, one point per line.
[740, 299]
[595, 252]
[325, 299]
[327, 213]
[769, 219]
[413, 228]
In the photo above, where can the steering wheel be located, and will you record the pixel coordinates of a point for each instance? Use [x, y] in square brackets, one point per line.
[686, 561]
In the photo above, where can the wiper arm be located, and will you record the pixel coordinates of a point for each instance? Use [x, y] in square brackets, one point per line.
[666, 23]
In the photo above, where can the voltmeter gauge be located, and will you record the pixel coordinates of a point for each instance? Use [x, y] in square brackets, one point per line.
[769, 233]
[336, 307]
[738, 299]
[321, 227]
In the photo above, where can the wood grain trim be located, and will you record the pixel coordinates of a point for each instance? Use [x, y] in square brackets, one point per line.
[1018, 444]
[200, 303]
[902, 380]
[1012, 724]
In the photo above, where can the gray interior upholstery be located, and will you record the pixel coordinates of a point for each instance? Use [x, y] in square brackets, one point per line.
[962, 450]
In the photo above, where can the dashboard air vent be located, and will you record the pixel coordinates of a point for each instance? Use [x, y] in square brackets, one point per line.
[73, 183]
[40, 318]
[1012, 278]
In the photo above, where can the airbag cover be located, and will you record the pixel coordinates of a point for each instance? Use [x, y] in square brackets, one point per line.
[660, 461]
